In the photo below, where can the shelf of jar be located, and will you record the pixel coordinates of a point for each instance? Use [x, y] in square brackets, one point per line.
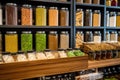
[112, 7]
[31, 69]
[113, 28]
[103, 63]
[89, 27]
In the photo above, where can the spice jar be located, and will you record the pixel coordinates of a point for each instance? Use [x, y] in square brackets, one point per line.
[40, 41]
[97, 37]
[114, 3]
[113, 36]
[53, 16]
[79, 38]
[40, 56]
[41, 14]
[98, 55]
[62, 53]
[91, 55]
[112, 19]
[64, 40]
[88, 18]
[109, 54]
[97, 18]
[21, 56]
[119, 36]
[88, 36]
[7, 58]
[96, 1]
[11, 41]
[107, 18]
[108, 2]
[103, 55]
[31, 55]
[79, 17]
[115, 54]
[48, 54]
[88, 1]
[0, 42]
[26, 15]
[118, 19]
[14, 55]
[1, 18]
[107, 36]
[11, 14]
[64, 17]
[53, 40]
[79, 1]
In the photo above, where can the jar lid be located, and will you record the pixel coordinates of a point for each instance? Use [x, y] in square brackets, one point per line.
[107, 32]
[69, 49]
[113, 32]
[97, 11]
[40, 6]
[13, 53]
[79, 32]
[31, 51]
[27, 5]
[60, 49]
[63, 8]
[26, 32]
[12, 4]
[76, 48]
[5, 53]
[20, 52]
[53, 32]
[47, 50]
[64, 32]
[11, 32]
[96, 32]
[88, 10]
[118, 13]
[79, 9]
[41, 32]
[112, 13]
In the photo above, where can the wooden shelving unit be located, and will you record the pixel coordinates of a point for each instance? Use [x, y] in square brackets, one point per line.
[30, 69]
[103, 63]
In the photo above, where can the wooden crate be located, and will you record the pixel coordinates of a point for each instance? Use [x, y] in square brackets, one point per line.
[31, 69]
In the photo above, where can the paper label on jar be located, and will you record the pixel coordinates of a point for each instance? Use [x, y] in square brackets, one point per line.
[41, 56]
[31, 56]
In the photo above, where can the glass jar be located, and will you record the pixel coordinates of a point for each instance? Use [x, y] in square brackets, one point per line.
[113, 36]
[107, 36]
[31, 55]
[40, 41]
[53, 40]
[11, 14]
[96, 1]
[53, 16]
[118, 53]
[79, 1]
[109, 54]
[91, 55]
[115, 54]
[26, 41]
[41, 15]
[40, 56]
[88, 1]
[108, 2]
[79, 38]
[107, 19]
[97, 18]
[62, 53]
[64, 40]
[70, 53]
[114, 3]
[11, 41]
[97, 37]
[21, 56]
[103, 55]
[98, 55]
[0, 42]
[14, 55]
[64, 17]
[1, 18]
[26, 15]
[118, 19]
[79, 17]
[112, 19]
[49, 54]
[88, 36]
[118, 36]
[88, 17]
[7, 58]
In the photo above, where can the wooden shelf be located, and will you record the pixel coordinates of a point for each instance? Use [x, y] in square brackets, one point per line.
[103, 63]
[31, 69]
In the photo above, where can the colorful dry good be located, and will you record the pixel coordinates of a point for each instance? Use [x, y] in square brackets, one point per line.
[7, 58]
[64, 40]
[41, 14]
[88, 36]
[79, 39]
[0, 42]
[21, 56]
[118, 19]
[40, 56]
[88, 17]
[114, 3]
[79, 1]
[11, 41]
[53, 16]
[53, 40]
[113, 36]
[96, 1]
[11, 14]
[112, 19]
[108, 2]
[26, 41]
[62, 53]
[97, 18]
[26, 15]
[1, 15]
[79, 17]
[49, 54]
[40, 41]
[97, 37]
[78, 52]
[64, 17]
[70, 53]
[31, 55]
[107, 36]
[107, 19]
[88, 1]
